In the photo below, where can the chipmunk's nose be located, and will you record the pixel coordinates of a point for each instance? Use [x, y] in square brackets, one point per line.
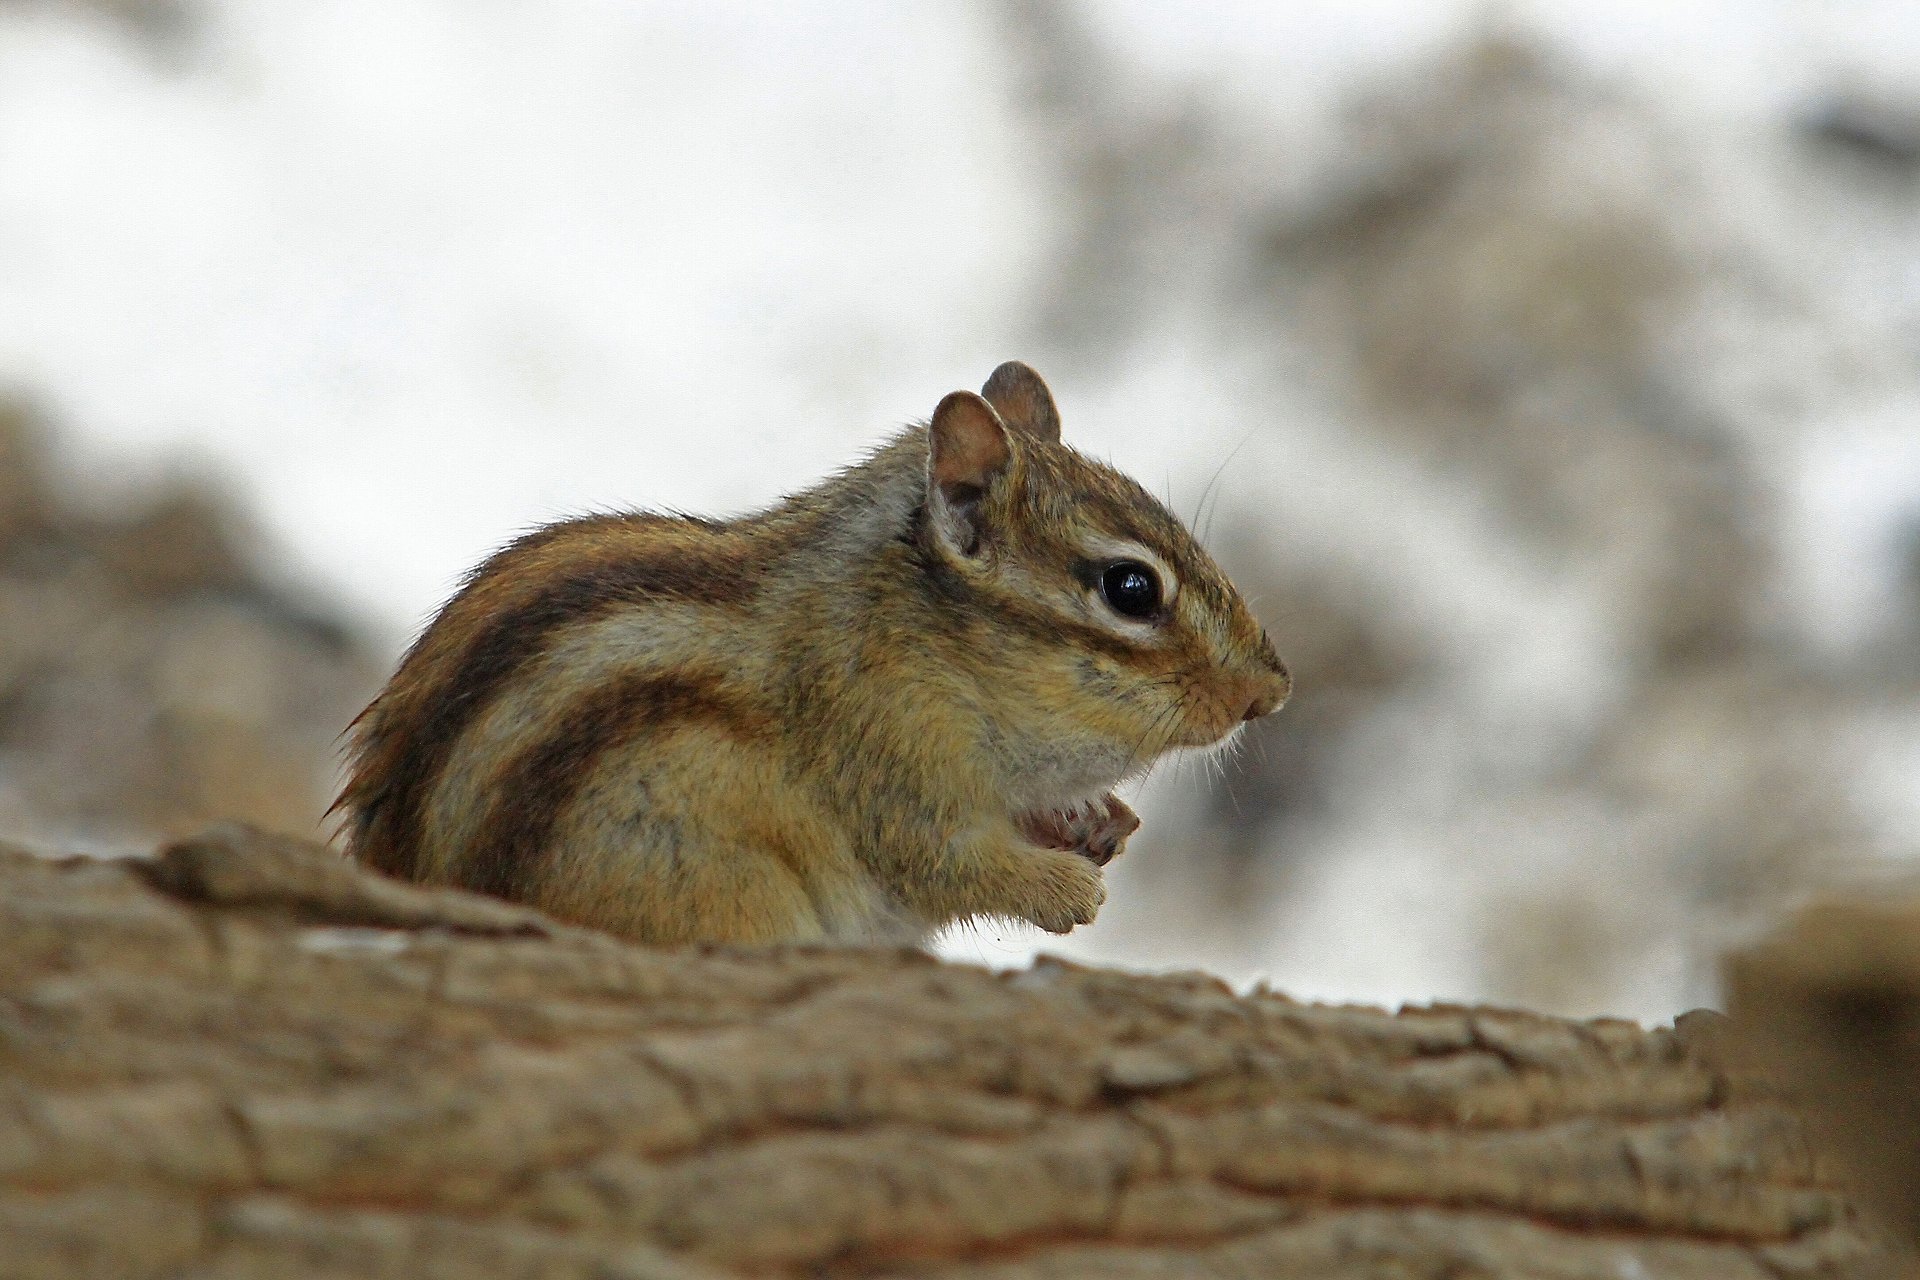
[1270, 691]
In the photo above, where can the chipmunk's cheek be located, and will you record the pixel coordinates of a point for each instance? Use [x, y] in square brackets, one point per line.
[1207, 724]
[1199, 737]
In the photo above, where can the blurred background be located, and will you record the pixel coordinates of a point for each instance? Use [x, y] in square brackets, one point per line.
[1555, 370]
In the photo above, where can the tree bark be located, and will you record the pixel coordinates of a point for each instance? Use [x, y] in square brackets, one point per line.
[248, 1058]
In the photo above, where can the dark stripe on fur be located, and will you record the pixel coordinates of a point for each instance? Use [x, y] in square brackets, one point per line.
[959, 599]
[534, 789]
[421, 734]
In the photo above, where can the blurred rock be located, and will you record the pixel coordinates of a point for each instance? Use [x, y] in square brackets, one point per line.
[1830, 1007]
[23, 498]
[1876, 129]
[165, 28]
[151, 679]
[1501, 282]
[1558, 312]
[1508, 306]
[178, 544]
[1338, 648]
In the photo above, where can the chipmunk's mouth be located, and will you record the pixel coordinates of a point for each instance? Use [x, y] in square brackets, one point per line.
[1094, 829]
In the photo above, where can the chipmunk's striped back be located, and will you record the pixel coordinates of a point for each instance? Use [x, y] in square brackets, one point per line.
[507, 683]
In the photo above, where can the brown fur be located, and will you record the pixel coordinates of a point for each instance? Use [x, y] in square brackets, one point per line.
[827, 720]
[533, 790]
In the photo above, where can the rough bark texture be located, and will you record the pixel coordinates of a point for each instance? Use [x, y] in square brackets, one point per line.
[248, 1059]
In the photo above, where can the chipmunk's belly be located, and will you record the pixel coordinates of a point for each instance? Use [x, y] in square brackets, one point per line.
[859, 912]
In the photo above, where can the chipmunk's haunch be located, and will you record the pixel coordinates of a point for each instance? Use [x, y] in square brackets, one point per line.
[897, 700]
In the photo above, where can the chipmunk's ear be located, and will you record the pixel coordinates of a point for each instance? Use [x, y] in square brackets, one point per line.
[1023, 401]
[966, 451]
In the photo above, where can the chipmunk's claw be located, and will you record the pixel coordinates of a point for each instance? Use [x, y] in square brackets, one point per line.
[1112, 823]
[1097, 830]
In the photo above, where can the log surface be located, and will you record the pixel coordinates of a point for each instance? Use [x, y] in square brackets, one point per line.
[248, 1058]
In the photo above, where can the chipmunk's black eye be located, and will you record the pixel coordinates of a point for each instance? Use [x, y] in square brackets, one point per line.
[1131, 588]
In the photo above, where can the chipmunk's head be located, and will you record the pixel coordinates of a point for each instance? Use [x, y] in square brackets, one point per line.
[1106, 635]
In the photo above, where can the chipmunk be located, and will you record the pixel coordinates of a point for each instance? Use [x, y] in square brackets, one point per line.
[895, 701]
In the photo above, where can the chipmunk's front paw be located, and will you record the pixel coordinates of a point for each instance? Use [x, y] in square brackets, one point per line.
[1097, 830]
[1068, 891]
